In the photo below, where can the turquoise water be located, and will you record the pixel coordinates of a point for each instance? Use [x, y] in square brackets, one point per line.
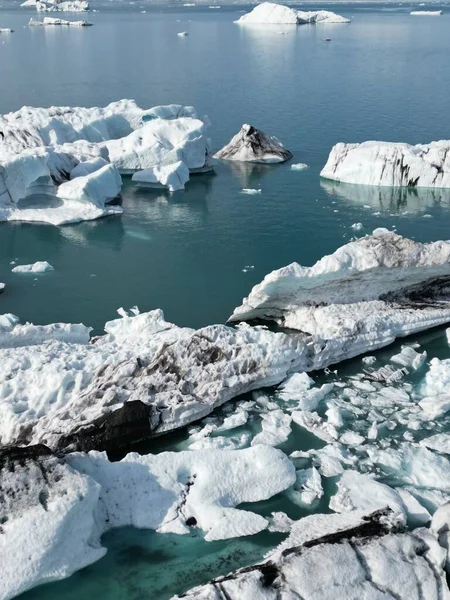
[382, 77]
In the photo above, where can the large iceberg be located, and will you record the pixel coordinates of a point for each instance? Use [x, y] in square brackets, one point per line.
[271, 13]
[366, 294]
[253, 145]
[390, 164]
[58, 5]
[61, 165]
[345, 557]
[53, 511]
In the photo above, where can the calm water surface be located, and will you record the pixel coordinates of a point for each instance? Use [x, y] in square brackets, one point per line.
[382, 77]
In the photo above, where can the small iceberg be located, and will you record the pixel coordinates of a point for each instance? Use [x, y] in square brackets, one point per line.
[299, 167]
[250, 191]
[182, 34]
[38, 267]
[57, 6]
[426, 13]
[50, 22]
[253, 145]
[271, 13]
[6, 30]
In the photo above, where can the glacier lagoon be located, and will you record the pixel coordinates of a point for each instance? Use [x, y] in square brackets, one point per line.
[379, 78]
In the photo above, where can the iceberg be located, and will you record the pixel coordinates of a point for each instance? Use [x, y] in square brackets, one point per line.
[271, 13]
[50, 22]
[390, 164]
[359, 555]
[6, 30]
[54, 510]
[366, 294]
[2, 287]
[253, 145]
[61, 165]
[38, 267]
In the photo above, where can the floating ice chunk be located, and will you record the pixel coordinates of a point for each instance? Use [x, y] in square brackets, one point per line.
[357, 226]
[390, 164]
[173, 177]
[6, 30]
[426, 13]
[276, 427]
[253, 145]
[320, 17]
[417, 513]
[182, 34]
[37, 267]
[351, 438]
[331, 458]
[413, 465]
[65, 6]
[2, 288]
[299, 167]
[434, 407]
[296, 383]
[362, 492]
[51, 22]
[334, 416]
[312, 422]
[369, 360]
[280, 522]
[307, 488]
[237, 419]
[408, 357]
[221, 442]
[439, 442]
[250, 191]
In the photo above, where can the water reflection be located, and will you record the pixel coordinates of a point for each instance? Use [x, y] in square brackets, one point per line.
[389, 199]
[249, 175]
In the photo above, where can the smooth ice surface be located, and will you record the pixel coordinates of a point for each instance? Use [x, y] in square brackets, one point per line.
[390, 164]
[173, 176]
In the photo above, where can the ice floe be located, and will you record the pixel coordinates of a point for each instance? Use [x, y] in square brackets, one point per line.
[53, 511]
[390, 164]
[38, 267]
[426, 13]
[299, 167]
[253, 145]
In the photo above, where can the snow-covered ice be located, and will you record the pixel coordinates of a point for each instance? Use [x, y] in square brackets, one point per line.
[54, 510]
[41, 266]
[358, 557]
[390, 164]
[253, 145]
[367, 293]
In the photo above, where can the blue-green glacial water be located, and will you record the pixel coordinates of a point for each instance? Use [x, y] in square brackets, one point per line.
[382, 77]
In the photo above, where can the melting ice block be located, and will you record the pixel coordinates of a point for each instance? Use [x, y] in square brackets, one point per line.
[390, 164]
[253, 145]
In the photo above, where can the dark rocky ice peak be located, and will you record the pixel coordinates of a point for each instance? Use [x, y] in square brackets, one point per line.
[253, 145]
